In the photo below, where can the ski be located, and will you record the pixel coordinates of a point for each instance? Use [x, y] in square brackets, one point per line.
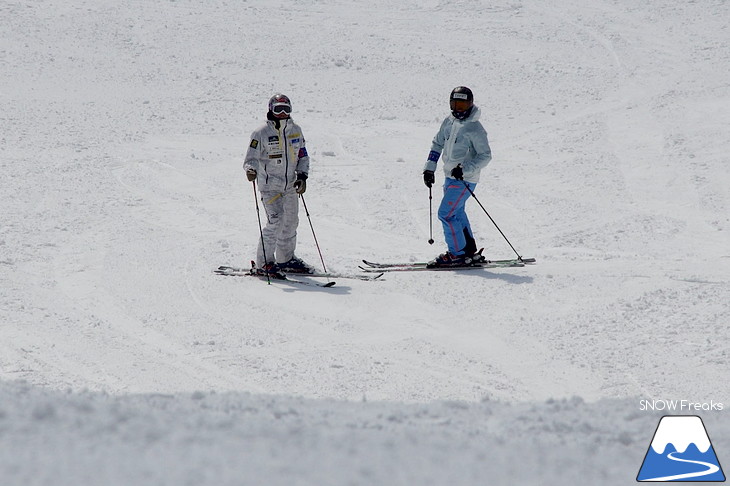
[242, 272]
[352, 276]
[417, 266]
[274, 277]
[513, 262]
[509, 262]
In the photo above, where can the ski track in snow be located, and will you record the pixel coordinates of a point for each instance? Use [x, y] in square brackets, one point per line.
[125, 360]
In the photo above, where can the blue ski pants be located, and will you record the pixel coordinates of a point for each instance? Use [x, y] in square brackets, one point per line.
[452, 214]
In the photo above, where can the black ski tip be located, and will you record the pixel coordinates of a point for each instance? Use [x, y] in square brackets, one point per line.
[528, 260]
[370, 264]
[329, 284]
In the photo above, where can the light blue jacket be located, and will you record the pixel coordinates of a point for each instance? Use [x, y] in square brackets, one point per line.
[461, 142]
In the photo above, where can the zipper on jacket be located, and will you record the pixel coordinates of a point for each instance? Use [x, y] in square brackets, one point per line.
[285, 148]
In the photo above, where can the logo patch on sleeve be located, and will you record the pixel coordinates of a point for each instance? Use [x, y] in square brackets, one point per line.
[254, 143]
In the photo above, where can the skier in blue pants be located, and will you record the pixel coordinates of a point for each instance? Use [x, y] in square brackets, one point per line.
[463, 142]
[452, 214]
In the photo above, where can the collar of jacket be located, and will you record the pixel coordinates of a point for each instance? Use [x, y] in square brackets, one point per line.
[276, 122]
[474, 116]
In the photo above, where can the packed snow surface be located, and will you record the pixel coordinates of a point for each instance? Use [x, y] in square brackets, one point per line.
[124, 360]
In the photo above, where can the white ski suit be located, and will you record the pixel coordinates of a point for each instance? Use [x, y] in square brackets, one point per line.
[277, 152]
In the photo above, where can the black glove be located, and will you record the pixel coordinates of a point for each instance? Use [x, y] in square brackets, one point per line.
[457, 173]
[300, 185]
[428, 178]
[251, 174]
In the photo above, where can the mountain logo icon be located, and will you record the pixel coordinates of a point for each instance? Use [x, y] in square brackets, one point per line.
[681, 451]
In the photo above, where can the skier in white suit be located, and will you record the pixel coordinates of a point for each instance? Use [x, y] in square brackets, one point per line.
[277, 160]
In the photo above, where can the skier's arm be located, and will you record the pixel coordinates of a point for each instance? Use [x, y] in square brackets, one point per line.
[303, 160]
[483, 153]
[300, 185]
[253, 154]
[437, 146]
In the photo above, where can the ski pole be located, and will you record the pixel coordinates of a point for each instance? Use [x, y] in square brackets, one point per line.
[490, 218]
[306, 210]
[430, 216]
[261, 232]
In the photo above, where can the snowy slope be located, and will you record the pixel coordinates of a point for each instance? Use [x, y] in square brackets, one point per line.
[124, 360]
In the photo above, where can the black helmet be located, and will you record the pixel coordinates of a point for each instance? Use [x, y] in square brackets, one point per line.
[461, 102]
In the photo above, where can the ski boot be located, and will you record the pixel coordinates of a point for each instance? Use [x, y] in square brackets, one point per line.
[271, 270]
[295, 265]
[447, 259]
[475, 258]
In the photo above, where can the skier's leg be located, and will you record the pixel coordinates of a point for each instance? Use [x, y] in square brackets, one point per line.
[286, 238]
[470, 246]
[273, 207]
[452, 215]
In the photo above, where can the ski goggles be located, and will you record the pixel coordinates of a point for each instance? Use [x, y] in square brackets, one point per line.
[460, 105]
[281, 108]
